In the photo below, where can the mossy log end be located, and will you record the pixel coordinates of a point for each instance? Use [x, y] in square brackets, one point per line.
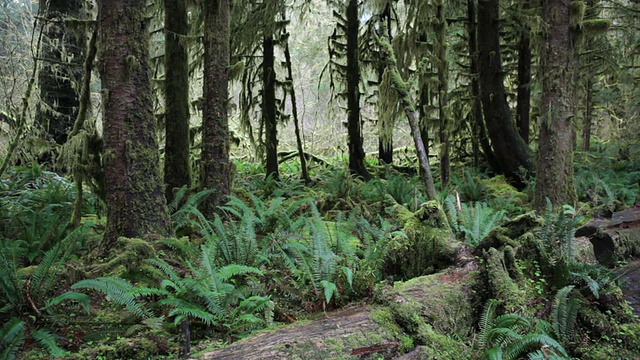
[416, 318]
[614, 239]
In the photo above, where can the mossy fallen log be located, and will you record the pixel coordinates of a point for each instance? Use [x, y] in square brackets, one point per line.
[422, 318]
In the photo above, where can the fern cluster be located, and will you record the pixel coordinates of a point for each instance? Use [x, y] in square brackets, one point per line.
[471, 223]
[512, 336]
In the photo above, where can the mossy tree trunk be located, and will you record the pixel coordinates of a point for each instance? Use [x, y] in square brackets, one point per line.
[177, 169]
[385, 118]
[511, 152]
[524, 80]
[354, 124]
[555, 150]
[62, 51]
[136, 206]
[269, 109]
[215, 165]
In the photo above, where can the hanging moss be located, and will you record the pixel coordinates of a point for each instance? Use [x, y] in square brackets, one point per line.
[596, 26]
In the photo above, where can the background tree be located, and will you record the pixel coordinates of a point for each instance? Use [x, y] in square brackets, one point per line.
[62, 54]
[215, 164]
[136, 205]
[177, 169]
[554, 178]
[511, 153]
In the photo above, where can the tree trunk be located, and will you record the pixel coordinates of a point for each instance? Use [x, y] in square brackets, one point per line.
[294, 111]
[354, 125]
[477, 122]
[524, 80]
[385, 118]
[586, 122]
[136, 206]
[269, 113]
[177, 169]
[443, 88]
[215, 165]
[512, 154]
[555, 150]
[63, 50]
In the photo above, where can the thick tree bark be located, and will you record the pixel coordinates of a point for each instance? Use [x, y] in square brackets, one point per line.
[354, 125]
[511, 152]
[177, 169]
[63, 51]
[269, 113]
[524, 81]
[555, 150]
[136, 205]
[215, 166]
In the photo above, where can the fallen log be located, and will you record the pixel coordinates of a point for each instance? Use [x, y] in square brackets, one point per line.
[421, 314]
[614, 239]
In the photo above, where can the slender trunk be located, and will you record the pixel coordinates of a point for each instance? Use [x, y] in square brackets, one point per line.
[294, 110]
[136, 206]
[269, 113]
[385, 118]
[354, 125]
[524, 81]
[215, 166]
[443, 87]
[586, 122]
[555, 156]
[512, 153]
[177, 169]
[59, 78]
[410, 112]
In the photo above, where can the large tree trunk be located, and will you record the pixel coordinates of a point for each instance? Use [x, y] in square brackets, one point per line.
[354, 125]
[555, 150]
[177, 169]
[524, 80]
[477, 121]
[215, 166]
[269, 113]
[63, 51]
[512, 154]
[136, 205]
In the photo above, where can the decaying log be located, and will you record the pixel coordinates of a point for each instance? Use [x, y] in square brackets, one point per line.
[427, 310]
[614, 239]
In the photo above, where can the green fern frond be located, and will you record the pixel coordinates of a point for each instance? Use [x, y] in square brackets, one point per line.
[11, 338]
[183, 247]
[119, 290]
[81, 298]
[229, 271]
[531, 342]
[564, 313]
[10, 283]
[48, 341]
[182, 308]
